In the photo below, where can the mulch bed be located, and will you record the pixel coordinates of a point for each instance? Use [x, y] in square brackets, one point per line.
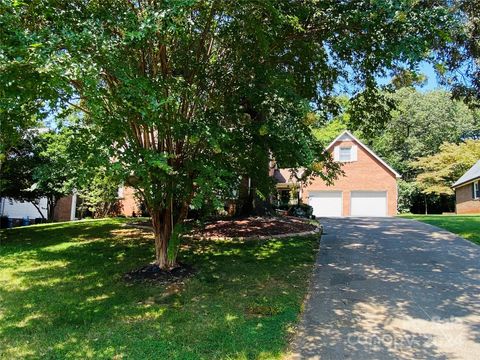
[254, 226]
[152, 273]
[249, 227]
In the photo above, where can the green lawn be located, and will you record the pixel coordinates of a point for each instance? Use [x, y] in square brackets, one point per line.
[467, 226]
[62, 295]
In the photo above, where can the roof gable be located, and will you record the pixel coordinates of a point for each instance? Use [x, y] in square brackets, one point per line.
[348, 136]
[472, 174]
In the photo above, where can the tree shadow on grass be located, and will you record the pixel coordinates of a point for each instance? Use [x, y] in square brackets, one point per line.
[64, 295]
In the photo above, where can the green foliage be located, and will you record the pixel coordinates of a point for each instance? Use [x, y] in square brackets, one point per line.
[408, 191]
[460, 61]
[17, 178]
[55, 174]
[438, 172]
[418, 125]
[408, 78]
[330, 131]
[100, 195]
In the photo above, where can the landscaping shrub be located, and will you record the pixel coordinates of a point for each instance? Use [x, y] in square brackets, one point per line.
[301, 210]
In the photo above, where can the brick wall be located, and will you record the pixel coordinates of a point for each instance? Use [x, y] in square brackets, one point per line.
[129, 203]
[465, 204]
[62, 211]
[367, 174]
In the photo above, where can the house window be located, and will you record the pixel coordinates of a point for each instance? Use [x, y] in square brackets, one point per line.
[345, 154]
[476, 190]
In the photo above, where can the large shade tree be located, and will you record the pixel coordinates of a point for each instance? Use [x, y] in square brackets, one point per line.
[459, 63]
[189, 94]
[419, 124]
[17, 176]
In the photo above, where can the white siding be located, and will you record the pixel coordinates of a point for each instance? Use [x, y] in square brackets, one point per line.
[18, 209]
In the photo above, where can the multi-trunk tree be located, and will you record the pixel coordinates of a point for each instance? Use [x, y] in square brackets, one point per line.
[189, 95]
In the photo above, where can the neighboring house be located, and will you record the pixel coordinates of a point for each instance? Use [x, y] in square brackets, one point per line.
[128, 203]
[19, 210]
[368, 188]
[467, 191]
[67, 208]
[22, 209]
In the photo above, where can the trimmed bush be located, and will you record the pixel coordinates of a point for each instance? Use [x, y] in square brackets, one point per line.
[301, 210]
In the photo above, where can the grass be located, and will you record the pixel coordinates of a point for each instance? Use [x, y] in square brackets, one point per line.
[467, 226]
[62, 295]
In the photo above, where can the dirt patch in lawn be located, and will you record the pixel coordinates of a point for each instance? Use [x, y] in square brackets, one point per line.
[253, 227]
[152, 273]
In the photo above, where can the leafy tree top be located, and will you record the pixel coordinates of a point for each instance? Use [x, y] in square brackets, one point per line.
[438, 172]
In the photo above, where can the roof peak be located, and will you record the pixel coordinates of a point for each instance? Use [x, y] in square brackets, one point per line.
[353, 137]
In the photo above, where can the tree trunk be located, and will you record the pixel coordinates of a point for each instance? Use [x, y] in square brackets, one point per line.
[249, 203]
[38, 209]
[245, 200]
[162, 223]
[51, 203]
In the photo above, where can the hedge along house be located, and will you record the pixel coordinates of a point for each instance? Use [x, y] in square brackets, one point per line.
[368, 187]
[467, 191]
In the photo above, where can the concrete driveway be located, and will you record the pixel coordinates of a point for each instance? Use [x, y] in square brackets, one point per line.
[391, 289]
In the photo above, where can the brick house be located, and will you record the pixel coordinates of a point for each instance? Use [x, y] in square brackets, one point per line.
[368, 188]
[67, 208]
[467, 191]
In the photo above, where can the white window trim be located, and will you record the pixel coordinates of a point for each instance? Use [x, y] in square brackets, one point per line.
[476, 186]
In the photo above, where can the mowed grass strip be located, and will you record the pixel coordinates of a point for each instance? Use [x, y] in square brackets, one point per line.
[62, 295]
[467, 226]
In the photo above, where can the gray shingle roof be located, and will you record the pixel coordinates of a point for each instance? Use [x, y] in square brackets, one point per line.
[472, 174]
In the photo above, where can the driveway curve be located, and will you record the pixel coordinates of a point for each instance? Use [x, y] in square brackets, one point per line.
[390, 288]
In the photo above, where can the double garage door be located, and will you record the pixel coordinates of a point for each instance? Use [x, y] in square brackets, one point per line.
[362, 203]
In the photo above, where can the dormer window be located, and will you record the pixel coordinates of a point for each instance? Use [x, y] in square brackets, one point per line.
[345, 153]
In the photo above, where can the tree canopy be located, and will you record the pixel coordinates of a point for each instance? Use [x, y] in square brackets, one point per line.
[419, 124]
[438, 172]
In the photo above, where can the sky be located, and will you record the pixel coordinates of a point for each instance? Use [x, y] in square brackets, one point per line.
[426, 69]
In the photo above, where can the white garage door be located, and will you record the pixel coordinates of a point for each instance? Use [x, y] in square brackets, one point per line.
[368, 203]
[326, 203]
